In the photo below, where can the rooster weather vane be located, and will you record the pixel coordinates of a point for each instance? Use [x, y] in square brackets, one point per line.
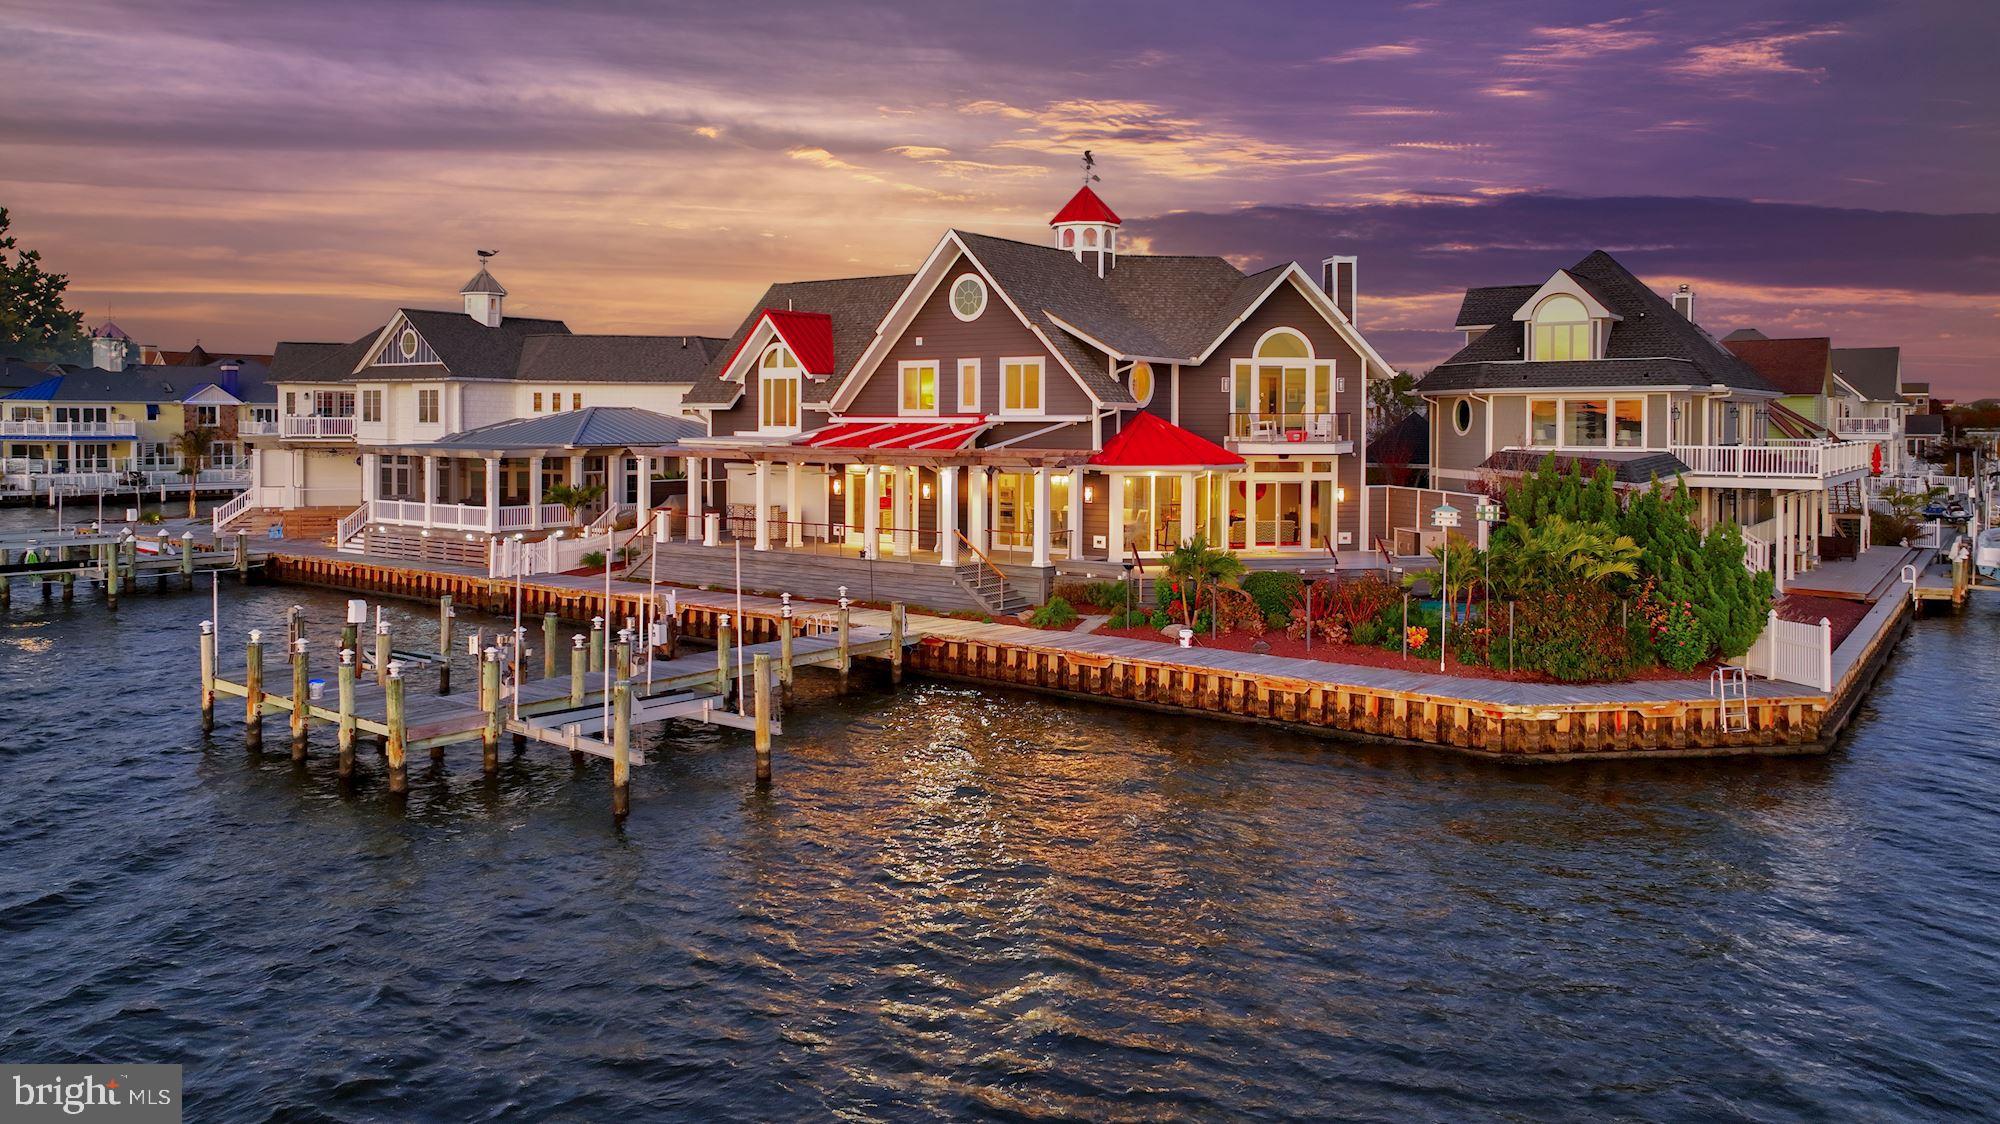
[1089, 167]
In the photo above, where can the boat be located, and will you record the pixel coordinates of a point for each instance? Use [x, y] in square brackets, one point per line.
[1986, 558]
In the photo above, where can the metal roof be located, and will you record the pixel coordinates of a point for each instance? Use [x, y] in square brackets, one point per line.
[593, 427]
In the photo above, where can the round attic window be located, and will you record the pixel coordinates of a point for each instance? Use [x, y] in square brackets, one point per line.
[968, 297]
[1142, 383]
[1461, 416]
[407, 344]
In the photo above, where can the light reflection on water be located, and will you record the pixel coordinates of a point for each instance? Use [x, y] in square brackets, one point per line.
[967, 903]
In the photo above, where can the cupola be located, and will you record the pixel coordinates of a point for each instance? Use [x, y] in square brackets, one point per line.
[1085, 226]
[483, 294]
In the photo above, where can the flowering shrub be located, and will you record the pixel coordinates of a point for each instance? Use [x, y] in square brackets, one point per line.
[1416, 636]
[1682, 642]
[1572, 634]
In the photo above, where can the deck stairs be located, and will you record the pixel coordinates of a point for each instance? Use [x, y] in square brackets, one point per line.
[991, 589]
[1846, 497]
[1730, 687]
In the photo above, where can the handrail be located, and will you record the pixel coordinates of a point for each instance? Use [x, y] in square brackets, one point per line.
[1136, 559]
[1326, 540]
[981, 555]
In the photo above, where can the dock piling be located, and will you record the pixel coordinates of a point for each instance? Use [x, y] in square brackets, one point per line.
[722, 655]
[187, 559]
[109, 553]
[347, 726]
[207, 676]
[253, 690]
[301, 699]
[597, 643]
[761, 668]
[243, 558]
[846, 662]
[621, 749]
[897, 623]
[399, 743]
[785, 631]
[381, 652]
[578, 659]
[549, 642]
[489, 700]
[445, 615]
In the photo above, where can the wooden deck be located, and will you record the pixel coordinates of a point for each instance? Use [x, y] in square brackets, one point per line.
[1868, 577]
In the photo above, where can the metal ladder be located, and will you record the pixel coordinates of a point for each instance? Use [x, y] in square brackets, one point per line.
[1731, 685]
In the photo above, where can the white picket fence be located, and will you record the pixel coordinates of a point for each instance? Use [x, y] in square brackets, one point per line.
[1794, 652]
[513, 557]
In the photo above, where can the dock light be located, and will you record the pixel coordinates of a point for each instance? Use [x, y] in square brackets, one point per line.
[299, 645]
[576, 641]
[381, 628]
[425, 533]
[256, 636]
[469, 537]
[1187, 638]
[395, 669]
[347, 657]
[557, 535]
[1444, 517]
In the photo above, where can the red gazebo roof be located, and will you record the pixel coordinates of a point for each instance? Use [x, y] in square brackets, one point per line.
[1150, 441]
[1085, 206]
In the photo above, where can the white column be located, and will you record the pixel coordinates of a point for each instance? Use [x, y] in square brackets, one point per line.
[795, 529]
[1187, 507]
[900, 510]
[1076, 512]
[1041, 554]
[371, 477]
[430, 490]
[298, 477]
[762, 504]
[535, 488]
[947, 516]
[493, 493]
[871, 513]
[976, 488]
[1114, 516]
[645, 470]
[1306, 505]
[696, 466]
[614, 484]
[1225, 491]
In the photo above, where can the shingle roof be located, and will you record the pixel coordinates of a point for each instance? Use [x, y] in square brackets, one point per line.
[649, 359]
[469, 349]
[1872, 371]
[1651, 346]
[147, 383]
[1492, 304]
[593, 427]
[855, 305]
[1924, 425]
[1795, 366]
[1634, 466]
[1744, 334]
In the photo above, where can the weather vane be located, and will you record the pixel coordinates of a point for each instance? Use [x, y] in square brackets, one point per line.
[1089, 167]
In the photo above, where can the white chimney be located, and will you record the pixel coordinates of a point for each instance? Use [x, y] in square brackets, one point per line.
[1684, 302]
[1337, 277]
[107, 353]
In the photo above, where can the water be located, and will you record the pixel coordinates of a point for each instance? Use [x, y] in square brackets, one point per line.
[979, 904]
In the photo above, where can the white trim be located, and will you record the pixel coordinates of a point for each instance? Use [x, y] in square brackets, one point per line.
[951, 296]
[1152, 382]
[1041, 387]
[903, 369]
[1465, 404]
[1563, 281]
[978, 369]
[1562, 418]
[1284, 330]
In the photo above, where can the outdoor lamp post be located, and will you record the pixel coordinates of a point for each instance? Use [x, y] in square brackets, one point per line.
[1444, 517]
[1488, 513]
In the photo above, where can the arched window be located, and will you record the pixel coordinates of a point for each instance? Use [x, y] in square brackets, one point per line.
[1562, 330]
[1283, 343]
[1069, 239]
[778, 390]
[1090, 236]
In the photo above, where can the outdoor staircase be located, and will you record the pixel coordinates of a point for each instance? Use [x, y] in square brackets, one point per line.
[991, 590]
[1845, 497]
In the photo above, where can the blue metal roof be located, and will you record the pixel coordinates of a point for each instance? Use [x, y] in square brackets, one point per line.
[43, 391]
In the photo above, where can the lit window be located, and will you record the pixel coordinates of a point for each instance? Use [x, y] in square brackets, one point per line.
[538, 401]
[576, 401]
[919, 388]
[1283, 344]
[1562, 330]
[1142, 383]
[778, 391]
[1542, 422]
[968, 386]
[1021, 386]
[1586, 422]
[1628, 417]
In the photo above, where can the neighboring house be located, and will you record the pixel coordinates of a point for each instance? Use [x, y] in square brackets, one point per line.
[1597, 368]
[1922, 435]
[1870, 405]
[87, 430]
[368, 434]
[1800, 369]
[1041, 403]
[1401, 455]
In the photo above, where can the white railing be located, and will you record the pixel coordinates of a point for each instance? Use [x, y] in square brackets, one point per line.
[69, 428]
[1864, 427]
[1792, 651]
[468, 517]
[350, 525]
[257, 429]
[237, 505]
[312, 425]
[1802, 461]
[546, 556]
[1760, 545]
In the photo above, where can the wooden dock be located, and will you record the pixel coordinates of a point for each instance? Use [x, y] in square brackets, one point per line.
[116, 559]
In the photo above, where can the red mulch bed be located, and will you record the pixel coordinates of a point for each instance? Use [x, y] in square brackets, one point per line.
[1841, 612]
[1361, 656]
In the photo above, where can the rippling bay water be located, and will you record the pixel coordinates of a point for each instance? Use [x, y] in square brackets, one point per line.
[982, 904]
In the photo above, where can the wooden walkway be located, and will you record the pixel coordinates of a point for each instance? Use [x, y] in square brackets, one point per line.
[1867, 577]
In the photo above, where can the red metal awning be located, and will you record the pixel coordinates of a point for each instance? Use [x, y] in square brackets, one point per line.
[921, 434]
[1150, 441]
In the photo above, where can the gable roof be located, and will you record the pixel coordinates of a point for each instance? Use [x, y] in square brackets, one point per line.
[809, 335]
[1085, 206]
[853, 307]
[1151, 441]
[1744, 334]
[521, 348]
[1796, 366]
[469, 349]
[595, 358]
[1652, 345]
[1873, 372]
[149, 383]
[1492, 304]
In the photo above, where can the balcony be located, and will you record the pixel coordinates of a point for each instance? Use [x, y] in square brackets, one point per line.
[314, 426]
[258, 428]
[1780, 463]
[1858, 428]
[469, 517]
[1290, 432]
[68, 430]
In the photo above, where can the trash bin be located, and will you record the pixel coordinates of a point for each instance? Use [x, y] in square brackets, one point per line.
[315, 689]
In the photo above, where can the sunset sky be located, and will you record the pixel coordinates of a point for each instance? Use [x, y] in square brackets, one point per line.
[246, 172]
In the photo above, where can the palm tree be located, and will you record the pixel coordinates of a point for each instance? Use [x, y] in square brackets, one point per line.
[192, 446]
[575, 497]
[1196, 566]
[1557, 548]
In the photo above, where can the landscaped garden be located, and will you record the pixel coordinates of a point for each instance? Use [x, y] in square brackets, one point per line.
[1578, 584]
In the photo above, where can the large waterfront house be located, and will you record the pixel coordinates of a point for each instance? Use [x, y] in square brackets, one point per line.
[1012, 407]
[1871, 405]
[85, 430]
[1594, 366]
[423, 429]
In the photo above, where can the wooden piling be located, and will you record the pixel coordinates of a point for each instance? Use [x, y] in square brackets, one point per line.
[242, 557]
[761, 668]
[187, 560]
[301, 699]
[597, 643]
[399, 742]
[846, 662]
[578, 660]
[444, 624]
[489, 697]
[621, 749]
[350, 639]
[622, 654]
[109, 553]
[722, 636]
[253, 690]
[207, 676]
[549, 626]
[785, 669]
[898, 621]
[382, 652]
[345, 739]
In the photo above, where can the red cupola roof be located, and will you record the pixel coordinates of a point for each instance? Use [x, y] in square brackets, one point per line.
[1150, 441]
[1085, 206]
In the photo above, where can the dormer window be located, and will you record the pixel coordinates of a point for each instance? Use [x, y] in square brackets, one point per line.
[778, 390]
[1562, 331]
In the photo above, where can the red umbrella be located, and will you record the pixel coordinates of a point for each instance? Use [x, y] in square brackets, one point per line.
[1875, 461]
